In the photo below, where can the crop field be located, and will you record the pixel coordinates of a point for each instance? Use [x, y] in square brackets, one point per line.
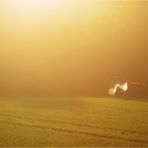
[73, 122]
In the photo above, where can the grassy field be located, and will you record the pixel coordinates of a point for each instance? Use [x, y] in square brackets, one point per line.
[73, 122]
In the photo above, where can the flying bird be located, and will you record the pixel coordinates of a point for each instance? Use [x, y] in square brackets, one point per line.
[123, 86]
[113, 90]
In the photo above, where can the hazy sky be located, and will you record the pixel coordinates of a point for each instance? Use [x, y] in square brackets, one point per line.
[71, 47]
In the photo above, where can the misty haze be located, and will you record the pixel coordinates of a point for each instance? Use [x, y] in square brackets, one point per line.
[63, 65]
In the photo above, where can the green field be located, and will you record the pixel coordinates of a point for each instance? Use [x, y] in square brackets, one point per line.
[73, 122]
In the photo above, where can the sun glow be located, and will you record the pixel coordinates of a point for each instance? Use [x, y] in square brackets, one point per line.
[37, 5]
[52, 5]
[25, 5]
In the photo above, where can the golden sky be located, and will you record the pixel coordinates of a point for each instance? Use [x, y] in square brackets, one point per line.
[71, 47]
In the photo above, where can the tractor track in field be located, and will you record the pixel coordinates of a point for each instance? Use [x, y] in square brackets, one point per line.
[75, 131]
[73, 124]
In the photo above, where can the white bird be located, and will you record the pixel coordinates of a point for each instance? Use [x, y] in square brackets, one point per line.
[113, 90]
